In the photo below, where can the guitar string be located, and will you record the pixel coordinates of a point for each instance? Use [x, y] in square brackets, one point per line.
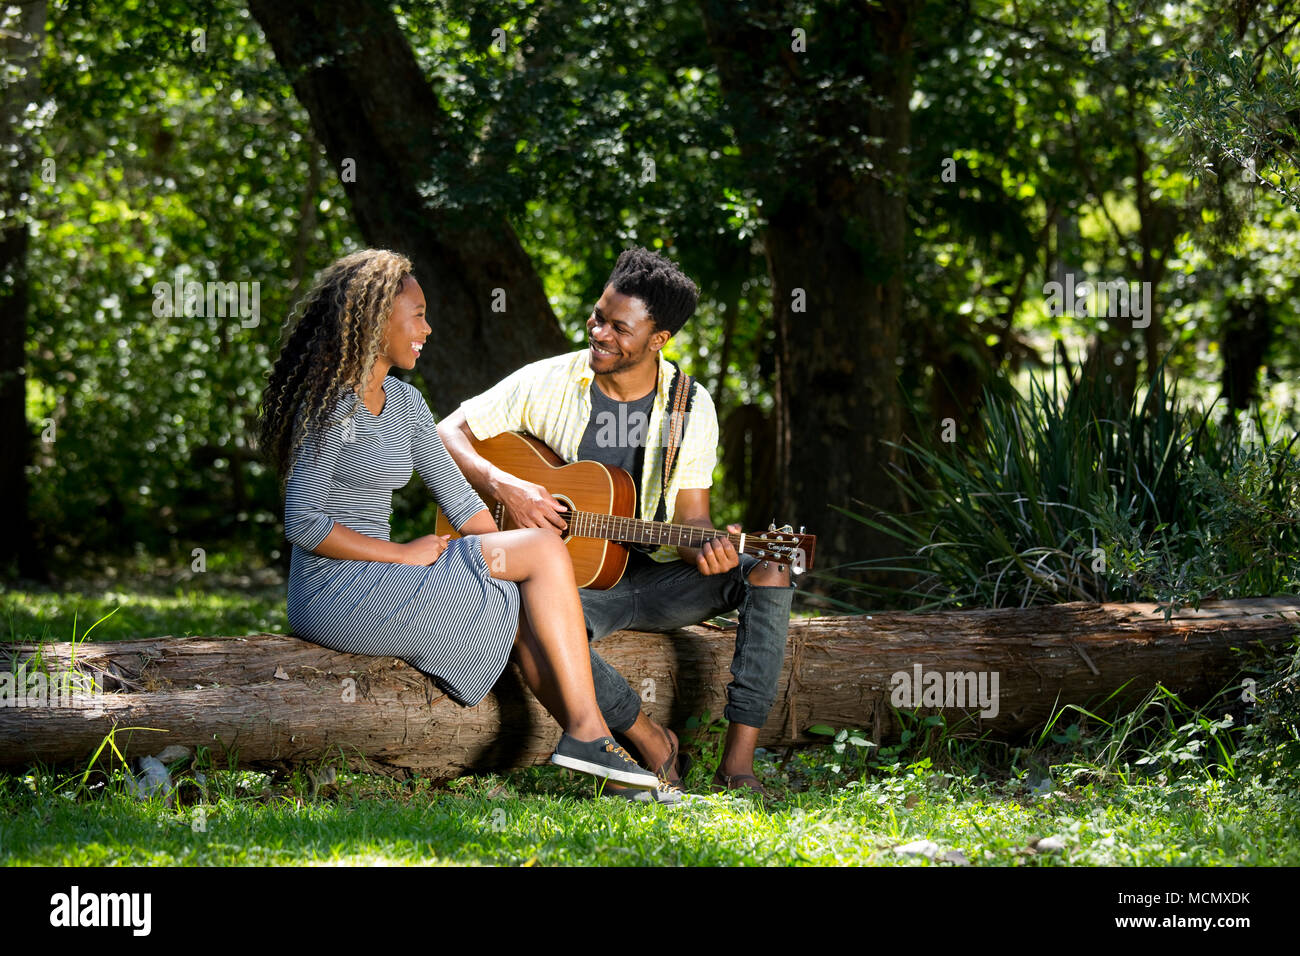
[597, 525]
[590, 524]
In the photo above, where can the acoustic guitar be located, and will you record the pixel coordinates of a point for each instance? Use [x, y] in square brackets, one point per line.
[602, 504]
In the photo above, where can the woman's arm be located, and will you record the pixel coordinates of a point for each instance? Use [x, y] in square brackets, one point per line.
[463, 507]
[308, 524]
[480, 523]
[348, 545]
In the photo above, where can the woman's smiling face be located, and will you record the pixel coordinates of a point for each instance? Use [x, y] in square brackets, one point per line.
[406, 331]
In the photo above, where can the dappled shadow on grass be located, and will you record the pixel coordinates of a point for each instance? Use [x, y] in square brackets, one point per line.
[545, 817]
[446, 829]
[224, 591]
[198, 608]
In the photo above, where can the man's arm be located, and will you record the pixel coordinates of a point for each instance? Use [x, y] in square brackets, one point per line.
[529, 505]
[717, 556]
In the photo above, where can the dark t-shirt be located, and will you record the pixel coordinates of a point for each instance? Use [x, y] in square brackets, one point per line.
[616, 433]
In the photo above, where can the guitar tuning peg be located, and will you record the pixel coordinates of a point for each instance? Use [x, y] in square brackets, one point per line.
[801, 529]
[786, 529]
[771, 525]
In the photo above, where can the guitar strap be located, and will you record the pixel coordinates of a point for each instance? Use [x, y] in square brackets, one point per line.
[680, 400]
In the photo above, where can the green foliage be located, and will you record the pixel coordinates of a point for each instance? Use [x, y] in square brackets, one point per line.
[166, 159]
[1075, 493]
[1242, 106]
[1247, 735]
[535, 817]
[596, 128]
[157, 600]
[1240, 537]
[1275, 732]
[848, 748]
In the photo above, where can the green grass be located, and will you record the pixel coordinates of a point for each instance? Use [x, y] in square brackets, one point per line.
[183, 604]
[542, 817]
[1164, 785]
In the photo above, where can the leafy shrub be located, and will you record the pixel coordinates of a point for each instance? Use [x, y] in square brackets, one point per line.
[1073, 493]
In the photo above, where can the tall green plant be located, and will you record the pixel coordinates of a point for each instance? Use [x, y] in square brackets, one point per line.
[1070, 492]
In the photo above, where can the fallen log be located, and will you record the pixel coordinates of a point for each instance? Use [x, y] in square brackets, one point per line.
[273, 701]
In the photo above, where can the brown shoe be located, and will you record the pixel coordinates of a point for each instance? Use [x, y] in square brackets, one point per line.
[746, 782]
[668, 770]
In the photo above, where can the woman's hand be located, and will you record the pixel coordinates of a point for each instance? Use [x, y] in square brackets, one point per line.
[425, 550]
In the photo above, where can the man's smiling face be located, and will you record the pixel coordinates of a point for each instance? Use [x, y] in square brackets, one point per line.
[621, 334]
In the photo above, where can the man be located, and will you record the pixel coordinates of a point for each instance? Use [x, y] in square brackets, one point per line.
[608, 403]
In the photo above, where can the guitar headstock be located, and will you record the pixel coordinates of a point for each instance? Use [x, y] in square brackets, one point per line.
[783, 545]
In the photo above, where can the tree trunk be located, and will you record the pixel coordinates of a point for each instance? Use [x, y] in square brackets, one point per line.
[378, 117]
[272, 701]
[22, 40]
[830, 168]
[1244, 341]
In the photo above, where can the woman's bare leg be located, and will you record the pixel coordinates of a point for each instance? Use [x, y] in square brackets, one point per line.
[551, 646]
[530, 657]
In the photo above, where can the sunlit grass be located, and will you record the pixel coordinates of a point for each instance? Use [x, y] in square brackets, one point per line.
[540, 817]
[1162, 799]
[193, 608]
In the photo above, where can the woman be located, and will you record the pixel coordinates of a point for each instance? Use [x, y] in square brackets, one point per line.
[346, 436]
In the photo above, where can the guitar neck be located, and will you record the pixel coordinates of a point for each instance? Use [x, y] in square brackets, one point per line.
[782, 546]
[589, 524]
[593, 494]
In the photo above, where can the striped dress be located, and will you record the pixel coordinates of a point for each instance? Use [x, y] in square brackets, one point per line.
[451, 619]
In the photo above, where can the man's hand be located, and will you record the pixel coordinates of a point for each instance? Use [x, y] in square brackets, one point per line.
[719, 555]
[529, 505]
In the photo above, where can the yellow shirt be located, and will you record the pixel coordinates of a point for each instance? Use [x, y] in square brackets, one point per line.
[551, 400]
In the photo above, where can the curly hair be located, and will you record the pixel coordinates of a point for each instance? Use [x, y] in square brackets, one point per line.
[668, 295]
[328, 350]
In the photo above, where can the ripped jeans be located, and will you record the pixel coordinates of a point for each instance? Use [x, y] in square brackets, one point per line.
[654, 596]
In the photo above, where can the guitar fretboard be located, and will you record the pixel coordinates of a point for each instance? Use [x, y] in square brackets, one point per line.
[589, 524]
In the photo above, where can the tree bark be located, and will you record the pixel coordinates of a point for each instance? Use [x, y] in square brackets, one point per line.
[824, 132]
[22, 40]
[271, 701]
[374, 109]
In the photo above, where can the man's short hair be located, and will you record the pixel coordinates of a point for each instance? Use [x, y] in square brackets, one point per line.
[668, 295]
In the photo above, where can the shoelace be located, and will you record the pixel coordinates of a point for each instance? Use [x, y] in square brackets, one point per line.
[665, 787]
[620, 752]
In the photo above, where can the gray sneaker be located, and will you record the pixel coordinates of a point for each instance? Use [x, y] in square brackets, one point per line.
[665, 794]
[603, 758]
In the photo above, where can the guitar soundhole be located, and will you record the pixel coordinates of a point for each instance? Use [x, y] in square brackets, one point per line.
[564, 500]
